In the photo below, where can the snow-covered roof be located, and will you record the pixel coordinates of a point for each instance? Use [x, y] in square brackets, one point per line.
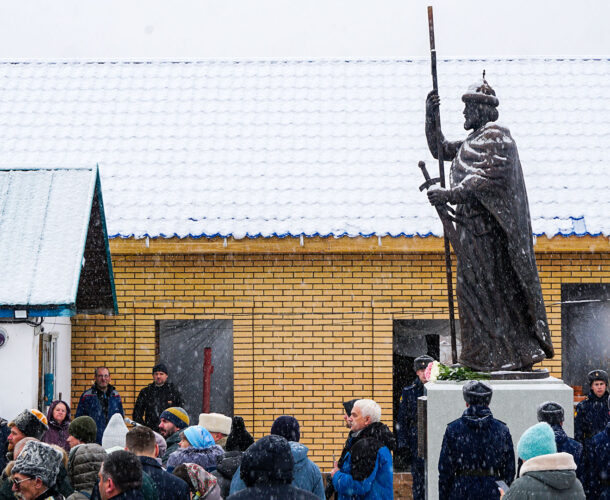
[53, 243]
[324, 147]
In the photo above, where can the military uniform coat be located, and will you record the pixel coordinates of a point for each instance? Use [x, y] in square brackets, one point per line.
[591, 417]
[596, 478]
[477, 451]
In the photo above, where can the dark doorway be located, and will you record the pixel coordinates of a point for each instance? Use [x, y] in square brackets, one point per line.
[412, 338]
[181, 346]
[585, 331]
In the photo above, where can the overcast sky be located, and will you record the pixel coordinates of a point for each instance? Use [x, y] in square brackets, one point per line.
[201, 29]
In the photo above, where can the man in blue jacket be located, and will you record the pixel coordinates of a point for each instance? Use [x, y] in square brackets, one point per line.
[592, 413]
[407, 426]
[367, 471]
[100, 402]
[477, 450]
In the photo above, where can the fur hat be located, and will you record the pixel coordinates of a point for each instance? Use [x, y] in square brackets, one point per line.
[268, 461]
[422, 362]
[538, 440]
[215, 422]
[598, 375]
[177, 416]
[476, 392]
[551, 413]
[31, 422]
[287, 427]
[161, 443]
[115, 432]
[160, 367]
[481, 92]
[84, 429]
[39, 460]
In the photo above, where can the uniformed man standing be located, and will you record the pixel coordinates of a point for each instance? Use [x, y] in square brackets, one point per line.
[597, 464]
[477, 450]
[407, 426]
[592, 413]
[552, 413]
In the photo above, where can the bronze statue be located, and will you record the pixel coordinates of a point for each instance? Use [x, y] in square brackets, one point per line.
[502, 317]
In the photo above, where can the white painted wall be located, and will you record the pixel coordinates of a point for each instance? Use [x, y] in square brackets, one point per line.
[19, 365]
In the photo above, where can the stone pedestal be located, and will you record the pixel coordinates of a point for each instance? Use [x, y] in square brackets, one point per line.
[514, 402]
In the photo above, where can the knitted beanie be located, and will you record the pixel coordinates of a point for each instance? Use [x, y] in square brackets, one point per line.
[177, 416]
[160, 440]
[199, 437]
[31, 422]
[215, 422]
[115, 432]
[538, 440]
[39, 460]
[84, 429]
[287, 427]
[160, 367]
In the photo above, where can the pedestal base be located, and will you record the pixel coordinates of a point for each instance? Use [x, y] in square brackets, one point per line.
[514, 402]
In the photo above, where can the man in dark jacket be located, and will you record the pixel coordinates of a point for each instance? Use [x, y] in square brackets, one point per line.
[100, 402]
[120, 477]
[267, 468]
[141, 442]
[173, 420]
[477, 450]
[552, 413]
[407, 426]
[596, 480]
[592, 413]
[155, 398]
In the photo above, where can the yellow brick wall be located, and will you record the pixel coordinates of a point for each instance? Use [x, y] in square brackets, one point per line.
[310, 330]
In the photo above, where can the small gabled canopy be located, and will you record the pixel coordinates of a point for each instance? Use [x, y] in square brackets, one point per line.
[54, 253]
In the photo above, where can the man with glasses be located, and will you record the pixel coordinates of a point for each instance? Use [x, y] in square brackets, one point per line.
[100, 402]
[35, 471]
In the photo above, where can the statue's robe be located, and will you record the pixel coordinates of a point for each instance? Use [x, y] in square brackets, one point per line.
[502, 317]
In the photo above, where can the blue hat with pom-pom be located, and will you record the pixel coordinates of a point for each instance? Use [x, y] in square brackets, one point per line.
[538, 440]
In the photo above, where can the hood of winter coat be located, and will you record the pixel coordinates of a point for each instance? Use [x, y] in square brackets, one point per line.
[50, 418]
[477, 417]
[228, 463]
[299, 453]
[381, 433]
[557, 470]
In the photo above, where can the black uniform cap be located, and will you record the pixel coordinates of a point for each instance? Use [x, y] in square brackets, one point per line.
[422, 362]
[476, 392]
[551, 413]
[598, 375]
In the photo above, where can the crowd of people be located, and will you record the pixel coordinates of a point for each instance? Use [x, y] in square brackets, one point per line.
[163, 456]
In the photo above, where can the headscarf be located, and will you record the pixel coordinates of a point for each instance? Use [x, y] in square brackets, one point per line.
[201, 480]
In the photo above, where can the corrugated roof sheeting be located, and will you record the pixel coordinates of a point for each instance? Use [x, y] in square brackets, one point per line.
[280, 148]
